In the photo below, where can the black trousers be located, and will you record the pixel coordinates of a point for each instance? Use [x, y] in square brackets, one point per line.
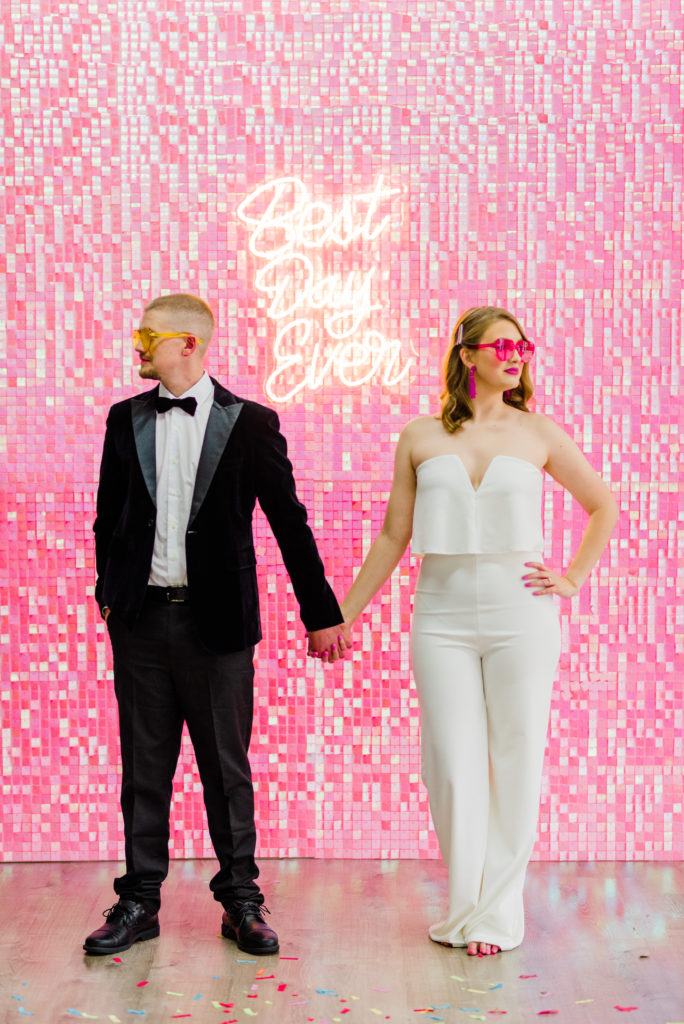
[164, 677]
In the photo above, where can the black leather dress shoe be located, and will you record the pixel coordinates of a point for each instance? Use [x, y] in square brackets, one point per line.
[127, 922]
[244, 923]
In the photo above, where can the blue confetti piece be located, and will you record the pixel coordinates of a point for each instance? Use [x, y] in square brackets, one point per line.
[140, 1013]
[470, 1009]
[492, 987]
[326, 992]
[444, 1006]
[74, 1013]
[246, 961]
[27, 1013]
[20, 998]
[198, 996]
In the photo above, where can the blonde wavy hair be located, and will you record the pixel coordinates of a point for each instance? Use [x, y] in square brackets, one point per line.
[457, 405]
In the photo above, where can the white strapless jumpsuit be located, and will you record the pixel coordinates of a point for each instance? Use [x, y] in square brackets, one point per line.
[484, 652]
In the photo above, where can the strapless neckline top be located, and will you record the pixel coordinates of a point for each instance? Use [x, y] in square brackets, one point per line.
[454, 455]
[501, 514]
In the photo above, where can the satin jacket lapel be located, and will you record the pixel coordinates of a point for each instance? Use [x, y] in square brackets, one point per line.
[144, 421]
[222, 419]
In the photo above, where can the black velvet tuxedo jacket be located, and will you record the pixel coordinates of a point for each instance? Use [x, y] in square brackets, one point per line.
[243, 458]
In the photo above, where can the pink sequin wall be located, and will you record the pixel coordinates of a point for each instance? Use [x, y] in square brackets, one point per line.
[438, 155]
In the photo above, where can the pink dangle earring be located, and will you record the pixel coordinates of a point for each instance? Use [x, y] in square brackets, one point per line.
[471, 383]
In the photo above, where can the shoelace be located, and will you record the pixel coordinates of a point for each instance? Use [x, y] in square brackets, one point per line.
[243, 908]
[114, 911]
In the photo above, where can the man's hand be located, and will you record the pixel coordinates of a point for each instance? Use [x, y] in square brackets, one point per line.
[330, 644]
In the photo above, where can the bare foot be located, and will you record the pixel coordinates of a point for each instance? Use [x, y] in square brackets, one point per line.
[482, 949]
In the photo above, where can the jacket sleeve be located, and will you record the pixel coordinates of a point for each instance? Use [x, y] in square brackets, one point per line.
[110, 501]
[287, 517]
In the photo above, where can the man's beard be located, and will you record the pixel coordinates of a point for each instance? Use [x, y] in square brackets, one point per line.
[148, 372]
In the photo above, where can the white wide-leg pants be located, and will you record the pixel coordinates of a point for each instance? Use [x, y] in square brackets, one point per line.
[484, 652]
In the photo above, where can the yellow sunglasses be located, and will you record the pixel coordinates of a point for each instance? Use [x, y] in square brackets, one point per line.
[149, 339]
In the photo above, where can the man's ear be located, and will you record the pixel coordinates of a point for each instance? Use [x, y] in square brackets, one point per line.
[190, 344]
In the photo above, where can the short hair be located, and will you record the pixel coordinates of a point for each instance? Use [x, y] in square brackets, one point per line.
[190, 308]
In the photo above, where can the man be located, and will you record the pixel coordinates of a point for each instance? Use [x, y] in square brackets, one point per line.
[182, 467]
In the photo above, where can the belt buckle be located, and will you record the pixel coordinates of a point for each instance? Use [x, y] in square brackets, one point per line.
[180, 591]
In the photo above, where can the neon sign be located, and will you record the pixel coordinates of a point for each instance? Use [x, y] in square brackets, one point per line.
[319, 298]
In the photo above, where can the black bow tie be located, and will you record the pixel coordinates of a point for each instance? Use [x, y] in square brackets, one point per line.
[188, 405]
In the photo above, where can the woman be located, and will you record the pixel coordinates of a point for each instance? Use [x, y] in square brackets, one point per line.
[485, 635]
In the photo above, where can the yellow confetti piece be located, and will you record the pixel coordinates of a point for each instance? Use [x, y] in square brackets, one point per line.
[356, 997]
[251, 1013]
[578, 1002]
[480, 991]
[457, 977]
[178, 994]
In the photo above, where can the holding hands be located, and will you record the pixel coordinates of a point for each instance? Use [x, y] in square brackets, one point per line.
[330, 644]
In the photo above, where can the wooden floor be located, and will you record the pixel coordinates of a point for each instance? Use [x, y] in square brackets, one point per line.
[602, 940]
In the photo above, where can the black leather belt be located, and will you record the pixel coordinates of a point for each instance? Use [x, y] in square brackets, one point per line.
[171, 595]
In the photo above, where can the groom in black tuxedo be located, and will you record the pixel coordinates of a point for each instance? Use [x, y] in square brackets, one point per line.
[182, 468]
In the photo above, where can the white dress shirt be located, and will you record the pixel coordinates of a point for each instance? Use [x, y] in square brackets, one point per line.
[178, 443]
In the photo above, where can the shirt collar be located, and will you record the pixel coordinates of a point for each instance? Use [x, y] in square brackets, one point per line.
[202, 390]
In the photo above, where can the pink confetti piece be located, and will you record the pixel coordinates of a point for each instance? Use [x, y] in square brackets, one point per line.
[288, 958]
[625, 1009]
[228, 1006]
[142, 983]
[527, 975]
[281, 988]
[546, 1013]
[117, 959]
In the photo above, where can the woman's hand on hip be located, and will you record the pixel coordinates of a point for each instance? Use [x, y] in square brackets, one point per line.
[548, 582]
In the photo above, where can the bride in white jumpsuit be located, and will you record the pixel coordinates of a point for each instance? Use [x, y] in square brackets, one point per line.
[485, 636]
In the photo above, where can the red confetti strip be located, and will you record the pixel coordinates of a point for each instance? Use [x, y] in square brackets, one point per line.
[265, 977]
[546, 1013]
[228, 1006]
[141, 983]
[291, 958]
[527, 975]
[625, 1009]
[117, 959]
[281, 988]
[255, 996]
